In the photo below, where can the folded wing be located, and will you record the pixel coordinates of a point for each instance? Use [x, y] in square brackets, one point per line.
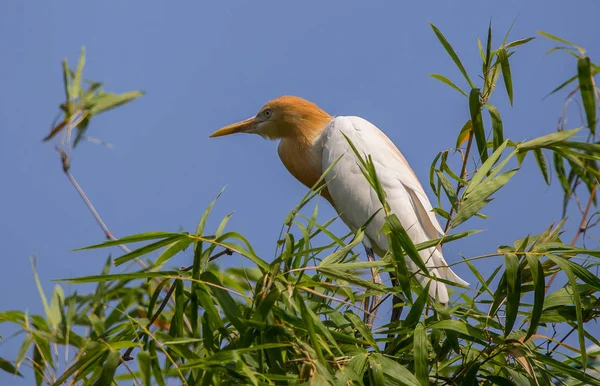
[356, 201]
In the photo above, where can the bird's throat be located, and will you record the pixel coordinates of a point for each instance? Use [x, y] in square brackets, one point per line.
[303, 160]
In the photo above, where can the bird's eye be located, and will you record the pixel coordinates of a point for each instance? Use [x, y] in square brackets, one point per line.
[267, 113]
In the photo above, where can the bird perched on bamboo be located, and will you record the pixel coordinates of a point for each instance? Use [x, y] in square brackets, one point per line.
[312, 140]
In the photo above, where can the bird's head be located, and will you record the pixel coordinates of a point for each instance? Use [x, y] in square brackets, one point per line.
[283, 117]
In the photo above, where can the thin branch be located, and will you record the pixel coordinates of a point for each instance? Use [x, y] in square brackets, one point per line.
[66, 166]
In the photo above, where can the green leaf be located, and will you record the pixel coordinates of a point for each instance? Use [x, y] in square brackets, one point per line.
[351, 278]
[513, 291]
[109, 368]
[586, 88]
[452, 54]
[539, 287]
[202, 223]
[376, 373]
[395, 372]
[144, 364]
[462, 328]
[541, 162]
[566, 369]
[106, 101]
[9, 367]
[40, 289]
[420, 355]
[56, 304]
[147, 249]
[131, 239]
[497, 128]
[480, 197]
[448, 188]
[67, 86]
[561, 40]
[477, 121]
[485, 168]
[228, 304]
[416, 310]
[172, 250]
[488, 51]
[119, 276]
[505, 65]
[518, 42]
[547, 140]
[76, 85]
[443, 79]
[362, 328]
[565, 266]
[561, 86]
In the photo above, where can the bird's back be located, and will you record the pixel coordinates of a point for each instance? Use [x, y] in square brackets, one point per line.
[356, 201]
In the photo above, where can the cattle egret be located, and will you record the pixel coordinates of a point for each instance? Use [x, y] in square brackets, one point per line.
[311, 140]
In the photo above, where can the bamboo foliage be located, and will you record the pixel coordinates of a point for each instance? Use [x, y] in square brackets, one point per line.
[298, 318]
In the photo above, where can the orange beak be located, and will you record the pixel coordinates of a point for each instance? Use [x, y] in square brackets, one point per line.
[245, 126]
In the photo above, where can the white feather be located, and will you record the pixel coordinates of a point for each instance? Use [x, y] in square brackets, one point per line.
[356, 201]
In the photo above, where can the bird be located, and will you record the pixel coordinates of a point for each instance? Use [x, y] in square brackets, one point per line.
[311, 140]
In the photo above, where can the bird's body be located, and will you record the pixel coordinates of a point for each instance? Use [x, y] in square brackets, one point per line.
[311, 141]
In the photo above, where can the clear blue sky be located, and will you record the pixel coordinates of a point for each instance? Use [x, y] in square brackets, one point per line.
[206, 64]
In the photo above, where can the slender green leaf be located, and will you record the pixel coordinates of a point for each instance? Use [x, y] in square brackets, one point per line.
[547, 140]
[497, 128]
[109, 368]
[561, 40]
[9, 367]
[505, 65]
[76, 84]
[420, 355]
[172, 250]
[518, 42]
[452, 54]
[106, 101]
[513, 291]
[443, 79]
[144, 364]
[539, 285]
[586, 88]
[147, 249]
[477, 121]
[541, 162]
[566, 267]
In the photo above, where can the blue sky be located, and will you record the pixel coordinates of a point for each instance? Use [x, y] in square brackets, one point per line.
[207, 64]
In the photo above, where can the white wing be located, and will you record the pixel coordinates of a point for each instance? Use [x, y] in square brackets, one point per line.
[356, 201]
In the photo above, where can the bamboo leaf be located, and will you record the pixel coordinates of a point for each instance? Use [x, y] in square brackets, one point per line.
[505, 65]
[452, 54]
[443, 79]
[172, 250]
[518, 42]
[547, 140]
[497, 129]
[147, 249]
[565, 266]
[420, 355]
[539, 286]
[477, 121]
[541, 162]
[76, 84]
[513, 291]
[586, 88]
